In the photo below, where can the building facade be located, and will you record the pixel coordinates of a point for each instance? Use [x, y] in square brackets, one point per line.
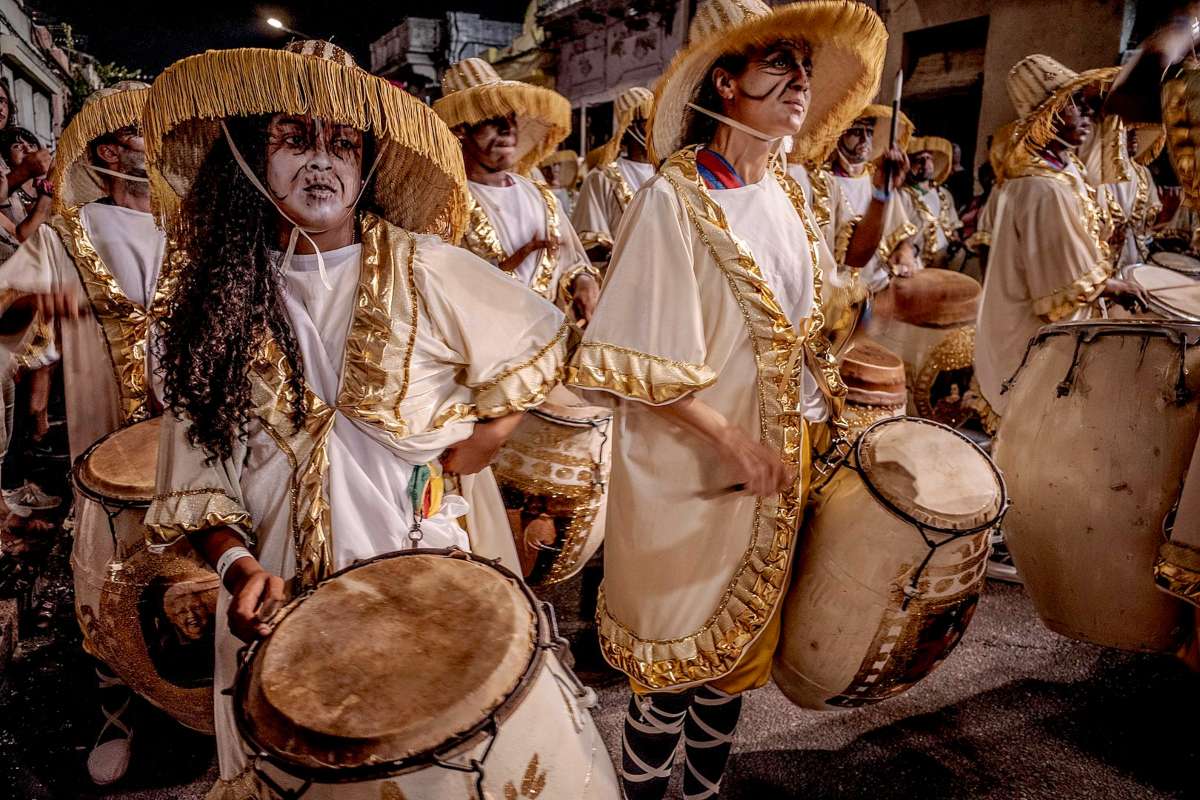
[38, 72]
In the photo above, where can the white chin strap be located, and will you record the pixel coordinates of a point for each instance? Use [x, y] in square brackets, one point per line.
[784, 144]
[297, 229]
[121, 175]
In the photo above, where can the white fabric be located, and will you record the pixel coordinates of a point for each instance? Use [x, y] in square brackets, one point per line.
[129, 244]
[801, 176]
[635, 173]
[762, 216]
[518, 214]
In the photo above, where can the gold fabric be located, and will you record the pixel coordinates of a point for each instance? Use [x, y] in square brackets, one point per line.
[650, 379]
[602, 201]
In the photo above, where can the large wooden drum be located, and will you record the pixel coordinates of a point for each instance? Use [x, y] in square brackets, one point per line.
[875, 385]
[148, 614]
[891, 565]
[1094, 445]
[553, 475]
[928, 319]
[421, 674]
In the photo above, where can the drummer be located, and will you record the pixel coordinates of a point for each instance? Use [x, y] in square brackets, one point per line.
[621, 167]
[928, 204]
[1137, 197]
[506, 128]
[326, 354]
[94, 271]
[709, 314]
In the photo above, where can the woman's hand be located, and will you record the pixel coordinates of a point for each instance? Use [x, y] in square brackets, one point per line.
[257, 595]
[754, 464]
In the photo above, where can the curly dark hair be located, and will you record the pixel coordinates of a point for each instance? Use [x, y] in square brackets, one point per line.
[228, 299]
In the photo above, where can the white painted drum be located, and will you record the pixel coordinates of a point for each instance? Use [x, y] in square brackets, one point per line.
[1173, 295]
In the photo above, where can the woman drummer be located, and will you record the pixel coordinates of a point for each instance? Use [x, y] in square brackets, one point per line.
[709, 321]
[324, 349]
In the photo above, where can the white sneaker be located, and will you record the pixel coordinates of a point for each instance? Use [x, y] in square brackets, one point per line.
[1000, 566]
[108, 762]
[32, 497]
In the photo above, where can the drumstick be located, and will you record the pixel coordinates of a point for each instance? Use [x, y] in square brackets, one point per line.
[713, 494]
[895, 132]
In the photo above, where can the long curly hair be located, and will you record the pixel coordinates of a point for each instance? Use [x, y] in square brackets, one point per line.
[228, 299]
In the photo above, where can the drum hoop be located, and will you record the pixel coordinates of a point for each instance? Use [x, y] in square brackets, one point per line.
[595, 422]
[116, 504]
[546, 637]
[1196, 261]
[1157, 305]
[953, 533]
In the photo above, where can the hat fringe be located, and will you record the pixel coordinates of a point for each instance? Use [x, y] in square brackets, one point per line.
[475, 104]
[1037, 128]
[97, 117]
[610, 150]
[244, 82]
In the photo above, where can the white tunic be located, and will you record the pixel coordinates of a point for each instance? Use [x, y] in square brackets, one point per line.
[518, 214]
[635, 173]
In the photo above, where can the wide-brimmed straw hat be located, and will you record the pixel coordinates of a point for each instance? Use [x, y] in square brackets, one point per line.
[1040, 88]
[1002, 144]
[635, 103]
[942, 150]
[879, 117]
[474, 93]
[568, 164]
[848, 43]
[419, 179]
[105, 111]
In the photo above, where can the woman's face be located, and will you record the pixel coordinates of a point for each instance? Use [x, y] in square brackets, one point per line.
[314, 169]
[19, 149]
[773, 93]
[5, 108]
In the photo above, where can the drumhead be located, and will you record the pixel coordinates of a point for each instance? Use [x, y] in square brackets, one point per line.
[122, 465]
[1171, 293]
[388, 660]
[936, 298]
[1178, 262]
[931, 474]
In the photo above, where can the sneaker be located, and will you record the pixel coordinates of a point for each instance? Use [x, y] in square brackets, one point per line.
[109, 759]
[1000, 566]
[32, 497]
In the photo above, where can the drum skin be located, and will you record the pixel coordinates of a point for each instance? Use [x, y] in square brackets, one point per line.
[1093, 460]
[147, 614]
[1172, 295]
[848, 638]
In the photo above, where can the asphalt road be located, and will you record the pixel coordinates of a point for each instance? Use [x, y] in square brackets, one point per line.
[1015, 712]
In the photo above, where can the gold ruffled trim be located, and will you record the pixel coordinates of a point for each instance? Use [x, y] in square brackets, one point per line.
[636, 376]
[591, 239]
[246, 785]
[188, 511]
[525, 385]
[822, 207]
[105, 113]
[1063, 302]
[841, 242]
[980, 239]
[889, 243]
[621, 188]
[543, 278]
[931, 224]
[480, 237]
[1177, 571]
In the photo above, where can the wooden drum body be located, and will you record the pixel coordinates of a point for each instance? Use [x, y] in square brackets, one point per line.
[890, 568]
[421, 674]
[553, 474]
[1094, 445]
[148, 614]
[875, 384]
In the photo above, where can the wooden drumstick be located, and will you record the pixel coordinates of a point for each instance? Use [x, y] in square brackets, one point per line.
[713, 494]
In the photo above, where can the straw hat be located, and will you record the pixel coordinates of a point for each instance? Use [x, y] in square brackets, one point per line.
[473, 93]
[879, 117]
[848, 45]
[942, 150]
[419, 184]
[105, 111]
[1002, 144]
[1040, 88]
[635, 103]
[568, 162]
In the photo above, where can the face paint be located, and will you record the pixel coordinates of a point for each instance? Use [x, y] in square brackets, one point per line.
[855, 144]
[921, 166]
[774, 92]
[492, 143]
[314, 169]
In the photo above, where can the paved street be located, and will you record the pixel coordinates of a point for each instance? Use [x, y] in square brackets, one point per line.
[1017, 712]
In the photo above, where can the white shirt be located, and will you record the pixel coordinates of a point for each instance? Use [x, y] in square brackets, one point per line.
[635, 173]
[129, 244]
[518, 214]
[764, 219]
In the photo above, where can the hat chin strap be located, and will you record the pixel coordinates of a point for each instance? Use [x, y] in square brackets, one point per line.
[783, 143]
[297, 229]
[115, 174]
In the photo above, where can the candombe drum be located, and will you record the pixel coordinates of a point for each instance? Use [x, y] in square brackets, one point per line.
[148, 614]
[1094, 444]
[553, 475]
[891, 565]
[421, 674]
[875, 387]
[1171, 295]
[927, 314]
[1180, 263]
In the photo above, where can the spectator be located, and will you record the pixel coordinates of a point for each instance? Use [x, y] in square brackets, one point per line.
[30, 193]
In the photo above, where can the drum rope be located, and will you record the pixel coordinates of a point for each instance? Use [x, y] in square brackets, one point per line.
[1068, 381]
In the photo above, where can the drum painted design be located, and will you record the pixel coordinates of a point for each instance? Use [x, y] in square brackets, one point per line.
[148, 614]
[1094, 445]
[941, 390]
[553, 474]
[451, 688]
[890, 568]
[1173, 295]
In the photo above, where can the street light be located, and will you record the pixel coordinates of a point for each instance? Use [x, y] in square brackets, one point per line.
[279, 26]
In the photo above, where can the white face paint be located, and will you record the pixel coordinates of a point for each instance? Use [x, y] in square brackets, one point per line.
[314, 169]
[774, 92]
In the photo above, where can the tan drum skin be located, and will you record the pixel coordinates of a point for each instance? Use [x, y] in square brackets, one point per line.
[553, 475]
[118, 591]
[405, 657]
[1094, 447]
[855, 629]
[1177, 262]
[1173, 295]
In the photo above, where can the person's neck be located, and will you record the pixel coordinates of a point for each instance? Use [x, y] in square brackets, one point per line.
[847, 168]
[922, 186]
[747, 155]
[1058, 153]
[127, 194]
[488, 176]
[337, 237]
[637, 154]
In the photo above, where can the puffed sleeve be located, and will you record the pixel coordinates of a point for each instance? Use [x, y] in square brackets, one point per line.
[646, 341]
[192, 494]
[512, 344]
[590, 217]
[1065, 271]
[32, 270]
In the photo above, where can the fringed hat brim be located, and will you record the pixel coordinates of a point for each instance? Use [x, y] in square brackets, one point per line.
[882, 132]
[568, 162]
[610, 150]
[1032, 132]
[76, 184]
[543, 115]
[1002, 144]
[420, 182]
[1151, 139]
[942, 150]
[848, 43]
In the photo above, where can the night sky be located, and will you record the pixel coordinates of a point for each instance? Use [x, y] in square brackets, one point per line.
[150, 34]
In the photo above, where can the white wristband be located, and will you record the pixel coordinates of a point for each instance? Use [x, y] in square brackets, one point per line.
[228, 557]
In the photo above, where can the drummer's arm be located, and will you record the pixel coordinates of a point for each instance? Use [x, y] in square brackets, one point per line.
[478, 450]
[255, 591]
[864, 242]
